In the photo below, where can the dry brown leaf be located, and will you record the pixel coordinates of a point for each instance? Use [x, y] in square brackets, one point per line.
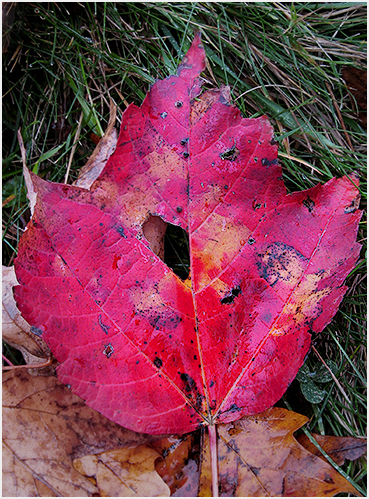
[338, 448]
[259, 456]
[16, 331]
[179, 467]
[45, 427]
[102, 152]
[127, 472]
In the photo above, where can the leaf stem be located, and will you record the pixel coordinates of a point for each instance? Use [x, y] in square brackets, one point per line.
[214, 459]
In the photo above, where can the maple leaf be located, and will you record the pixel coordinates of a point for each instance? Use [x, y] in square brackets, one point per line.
[150, 351]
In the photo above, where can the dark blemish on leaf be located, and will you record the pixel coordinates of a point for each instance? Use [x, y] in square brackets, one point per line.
[353, 206]
[189, 382]
[211, 383]
[199, 399]
[256, 205]
[159, 321]
[37, 331]
[184, 141]
[108, 350]
[178, 104]
[251, 240]
[256, 471]
[101, 224]
[185, 155]
[256, 160]
[309, 203]
[158, 362]
[164, 114]
[327, 478]
[233, 408]
[65, 263]
[103, 326]
[120, 231]
[230, 297]
[179, 209]
[137, 361]
[230, 154]
[280, 262]
[273, 141]
[266, 162]
[226, 187]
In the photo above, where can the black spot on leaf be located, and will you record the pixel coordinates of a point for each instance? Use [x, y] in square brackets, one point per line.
[158, 362]
[266, 162]
[37, 331]
[108, 350]
[120, 231]
[309, 203]
[230, 154]
[231, 296]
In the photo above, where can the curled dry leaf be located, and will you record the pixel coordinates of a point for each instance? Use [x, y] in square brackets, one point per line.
[45, 427]
[16, 331]
[104, 149]
[125, 472]
[179, 466]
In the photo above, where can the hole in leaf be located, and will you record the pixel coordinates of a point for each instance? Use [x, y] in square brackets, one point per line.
[231, 296]
[177, 251]
[169, 243]
[230, 154]
[154, 230]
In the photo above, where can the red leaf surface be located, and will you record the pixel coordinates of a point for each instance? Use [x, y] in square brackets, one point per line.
[143, 347]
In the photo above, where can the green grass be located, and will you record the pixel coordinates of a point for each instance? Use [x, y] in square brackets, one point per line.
[65, 61]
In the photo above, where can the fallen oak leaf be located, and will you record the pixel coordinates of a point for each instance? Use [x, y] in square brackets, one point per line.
[259, 456]
[179, 466]
[338, 448]
[124, 472]
[45, 427]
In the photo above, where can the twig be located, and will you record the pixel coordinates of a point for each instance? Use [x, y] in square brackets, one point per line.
[40, 365]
